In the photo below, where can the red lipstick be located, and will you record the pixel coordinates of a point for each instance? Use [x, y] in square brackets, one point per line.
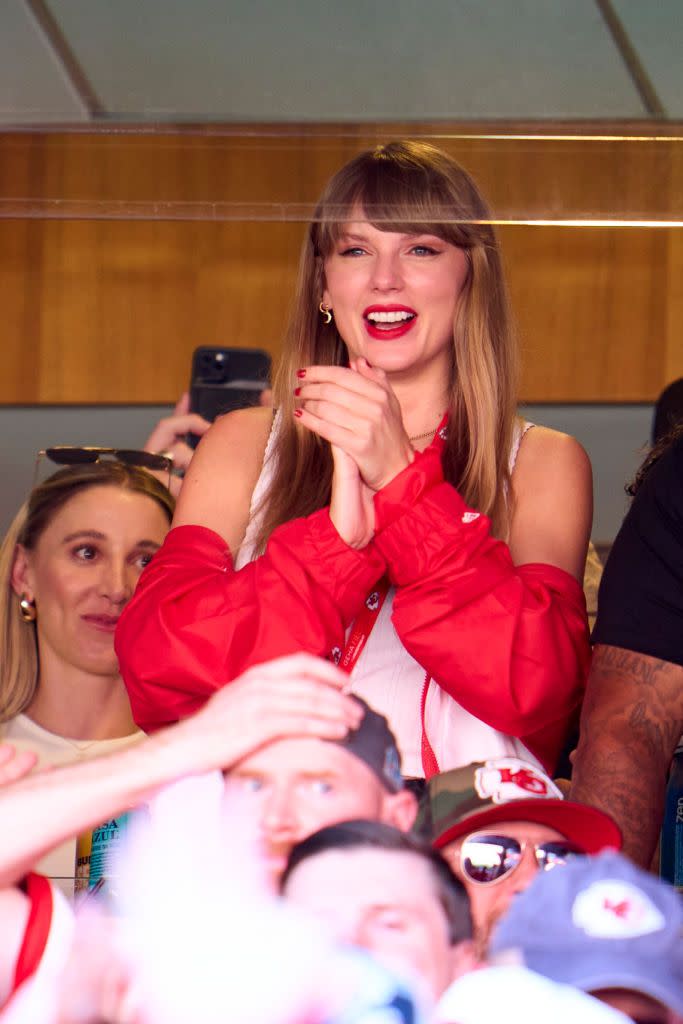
[387, 322]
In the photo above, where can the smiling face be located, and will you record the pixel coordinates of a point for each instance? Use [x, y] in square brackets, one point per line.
[394, 296]
[82, 571]
[297, 786]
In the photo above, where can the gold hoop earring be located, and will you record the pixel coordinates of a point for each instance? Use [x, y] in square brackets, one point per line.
[326, 312]
[27, 609]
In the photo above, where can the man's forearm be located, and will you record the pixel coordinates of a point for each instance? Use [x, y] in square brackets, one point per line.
[631, 721]
[618, 780]
[294, 696]
[41, 811]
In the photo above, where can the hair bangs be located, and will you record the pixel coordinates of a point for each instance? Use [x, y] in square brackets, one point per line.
[394, 190]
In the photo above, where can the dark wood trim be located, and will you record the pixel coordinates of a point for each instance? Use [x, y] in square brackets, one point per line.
[67, 58]
[631, 59]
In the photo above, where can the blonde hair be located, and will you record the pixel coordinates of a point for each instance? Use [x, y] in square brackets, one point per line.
[19, 658]
[409, 187]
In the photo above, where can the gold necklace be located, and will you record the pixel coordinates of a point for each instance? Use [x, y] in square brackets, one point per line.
[428, 433]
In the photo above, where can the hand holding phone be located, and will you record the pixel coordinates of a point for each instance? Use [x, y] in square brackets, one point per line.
[224, 379]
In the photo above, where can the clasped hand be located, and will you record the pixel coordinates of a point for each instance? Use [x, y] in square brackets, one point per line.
[356, 410]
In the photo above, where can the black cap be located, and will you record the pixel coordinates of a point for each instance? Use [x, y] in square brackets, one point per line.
[375, 744]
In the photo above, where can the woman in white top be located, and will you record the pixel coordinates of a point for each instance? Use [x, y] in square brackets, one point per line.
[68, 565]
[389, 462]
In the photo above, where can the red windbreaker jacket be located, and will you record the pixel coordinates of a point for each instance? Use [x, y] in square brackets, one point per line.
[509, 643]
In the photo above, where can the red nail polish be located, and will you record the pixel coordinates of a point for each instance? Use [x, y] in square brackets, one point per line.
[300, 373]
[297, 391]
[298, 412]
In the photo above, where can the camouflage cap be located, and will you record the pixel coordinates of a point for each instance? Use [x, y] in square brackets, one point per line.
[464, 800]
[375, 744]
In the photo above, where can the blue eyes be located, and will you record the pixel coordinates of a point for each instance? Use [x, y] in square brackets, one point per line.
[320, 787]
[250, 784]
[254, 784]
[415, 250]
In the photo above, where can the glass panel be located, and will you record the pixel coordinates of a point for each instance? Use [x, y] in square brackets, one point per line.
[547, 177]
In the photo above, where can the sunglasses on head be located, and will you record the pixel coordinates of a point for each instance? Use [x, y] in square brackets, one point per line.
[486, 857]
[67, 455]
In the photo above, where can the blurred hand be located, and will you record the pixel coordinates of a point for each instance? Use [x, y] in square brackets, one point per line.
[168, 437]
[98, 981]
[15, 764]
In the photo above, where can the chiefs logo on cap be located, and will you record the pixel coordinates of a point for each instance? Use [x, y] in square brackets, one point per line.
[509, 778]
[612, 909]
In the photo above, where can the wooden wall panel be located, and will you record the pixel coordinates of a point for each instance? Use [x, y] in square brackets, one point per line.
[591, 306]
[106, 304]
[111, 311]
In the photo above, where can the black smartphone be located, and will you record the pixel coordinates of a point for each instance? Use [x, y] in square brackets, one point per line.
[224, 379]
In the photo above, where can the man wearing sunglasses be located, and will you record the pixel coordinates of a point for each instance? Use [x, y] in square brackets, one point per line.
[498, 823]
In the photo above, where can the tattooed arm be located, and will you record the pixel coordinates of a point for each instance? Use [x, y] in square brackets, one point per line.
[631, 721]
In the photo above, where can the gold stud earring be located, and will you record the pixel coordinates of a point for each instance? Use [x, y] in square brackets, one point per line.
[27, 609]
[326, 312]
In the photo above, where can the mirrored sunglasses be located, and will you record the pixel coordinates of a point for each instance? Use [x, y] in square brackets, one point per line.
[68, 455]
[487, 858]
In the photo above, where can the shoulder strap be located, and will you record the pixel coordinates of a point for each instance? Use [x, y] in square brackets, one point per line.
[39, 892]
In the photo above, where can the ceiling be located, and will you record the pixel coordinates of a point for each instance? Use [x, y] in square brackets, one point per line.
[93, 61]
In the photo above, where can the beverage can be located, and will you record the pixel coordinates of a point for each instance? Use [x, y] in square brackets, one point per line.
[106, 839]
[95, 850]
[82, 867]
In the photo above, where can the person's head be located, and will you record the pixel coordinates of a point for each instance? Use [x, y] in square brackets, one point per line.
[297, 786]
[499, 823]
[668, 412]
[388, 892]
[425, 250]
[68, 565]
[606, 927]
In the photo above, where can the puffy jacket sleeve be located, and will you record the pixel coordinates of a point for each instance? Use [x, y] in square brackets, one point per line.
[508, 642]
[194, 623]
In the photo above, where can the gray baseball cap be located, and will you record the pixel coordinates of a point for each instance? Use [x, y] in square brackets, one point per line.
[597, 923]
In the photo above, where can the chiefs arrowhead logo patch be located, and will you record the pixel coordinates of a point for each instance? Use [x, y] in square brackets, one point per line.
[509, 778]
[612, 909]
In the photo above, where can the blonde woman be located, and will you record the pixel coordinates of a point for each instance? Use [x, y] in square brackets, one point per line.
[68, 565]
[395, 515]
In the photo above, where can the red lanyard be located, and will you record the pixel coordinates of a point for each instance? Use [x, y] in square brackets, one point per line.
[362, 628]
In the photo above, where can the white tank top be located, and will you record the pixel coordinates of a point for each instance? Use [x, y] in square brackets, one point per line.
[391, 681]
